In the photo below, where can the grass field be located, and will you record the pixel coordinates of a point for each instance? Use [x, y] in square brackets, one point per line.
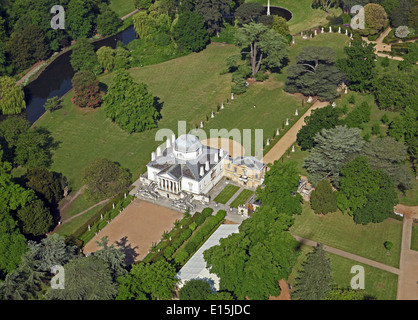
[242, 197]
[304, 16]
[379, 284]
[122, 7]
[339, 231]
[226, 194]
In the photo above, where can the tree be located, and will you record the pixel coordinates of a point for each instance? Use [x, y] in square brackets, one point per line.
[280, 26]
[87, 92]
[323, 199]
[106, 57]
[130, 104]
[389, 155]
[212, 12]
[409, 59]
[80, 18]
[12, 243]
[86, 278]
[35, 219]
[396, 90]
[334, 148]
[400, 15]
[249, 12]
[413, 17]
[105, 178]
[108, 22]
[53, 104]
[251, 262]
[33, 148]
[27, 46]
[266, 46]
[366, 193]
[375, 19]
[51, 251]
[314, 281]
[315, 74]
[143, 25]
[190, 32]
[388, 245]
[195, 289]
[114, 257]
[83, 57]
[281, 183]
[322, 118]
[359, 65]
[149, 281]
[359, 115]
[46, 184]
[12, 97]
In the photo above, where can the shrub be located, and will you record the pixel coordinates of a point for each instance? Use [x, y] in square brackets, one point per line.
[185, 234]
[375, 129]
[220, 215]
[181, 256]
[198, 238]
[190, 247]
[260, 76]
[207, 212]
[352, 99]
[177, 243]
[193, 226]
[200, 219]
[385, 62]
[168, 252]
[385, 119]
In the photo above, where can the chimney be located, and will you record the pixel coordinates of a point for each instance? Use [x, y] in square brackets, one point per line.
[221, 152]
[202, 172]
[173, 139]
[168, 143]
[158, 152]
[153, 156]
[207, 166]
[216, 158]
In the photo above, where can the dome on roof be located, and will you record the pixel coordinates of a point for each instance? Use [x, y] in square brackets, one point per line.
[187, 143]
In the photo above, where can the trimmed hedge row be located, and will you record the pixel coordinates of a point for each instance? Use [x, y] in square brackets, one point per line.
[178, 236]
[96, 223]
[194, 243]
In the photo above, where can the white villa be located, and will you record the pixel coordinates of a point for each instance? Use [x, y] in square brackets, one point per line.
[187, 166]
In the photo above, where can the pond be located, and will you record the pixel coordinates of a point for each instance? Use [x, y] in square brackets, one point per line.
[279, 11]
[55, 80]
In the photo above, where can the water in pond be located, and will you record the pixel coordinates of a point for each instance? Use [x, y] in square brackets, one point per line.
[278, 11]
[55, 80]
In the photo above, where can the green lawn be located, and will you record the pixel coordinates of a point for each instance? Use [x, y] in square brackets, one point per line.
[410, 198]
[70, 227]
[381, 285]
[304, 16]
[378, 284]
[340, 231]
[122, 7]
[242, 197]
[226, 194]
[414, 239]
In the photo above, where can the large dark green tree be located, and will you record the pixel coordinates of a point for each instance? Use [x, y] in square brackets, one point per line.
[314, 281]
[323, 199]
[333, 149]
[35, 219]
[86, 278]
[105, 178]
[80, 18]
[130, 105]
[266, 46]
[250, 263]
[195, 289]
[281, 183]
[366, 193]
[249, 12]
[148, 281]
[114, 257]
[213, 12]
[322, 118]
[359, 65]
[108, 21]
[190, 32]
[315, 74]
[83, 57]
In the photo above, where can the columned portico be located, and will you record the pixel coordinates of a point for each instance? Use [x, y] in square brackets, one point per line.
[168, 185]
